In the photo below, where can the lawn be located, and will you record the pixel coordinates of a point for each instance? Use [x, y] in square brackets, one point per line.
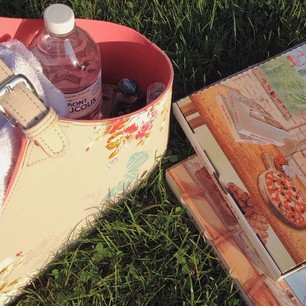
[147, 251]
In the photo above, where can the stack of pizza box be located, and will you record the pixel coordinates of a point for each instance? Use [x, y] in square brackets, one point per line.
[246, 186]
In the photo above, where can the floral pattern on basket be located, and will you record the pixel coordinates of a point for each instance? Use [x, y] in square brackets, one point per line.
[6, 268]
[127, 130]
[134, 163]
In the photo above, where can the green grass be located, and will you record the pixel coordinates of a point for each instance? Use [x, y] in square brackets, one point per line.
[146, 251]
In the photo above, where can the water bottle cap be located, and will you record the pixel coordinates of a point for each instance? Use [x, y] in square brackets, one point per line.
[59, 19]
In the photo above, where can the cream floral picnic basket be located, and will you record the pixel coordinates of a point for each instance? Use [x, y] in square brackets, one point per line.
[67, 170]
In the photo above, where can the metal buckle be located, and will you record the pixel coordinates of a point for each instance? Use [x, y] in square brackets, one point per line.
[7, 86]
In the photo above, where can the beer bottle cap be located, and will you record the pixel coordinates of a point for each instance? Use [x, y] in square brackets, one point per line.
[128, 87]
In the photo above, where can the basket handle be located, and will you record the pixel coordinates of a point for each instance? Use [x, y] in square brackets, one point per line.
[20, 104]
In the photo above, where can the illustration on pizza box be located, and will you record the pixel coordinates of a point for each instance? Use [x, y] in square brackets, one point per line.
[297, 282]
[198, 193]
[250, 130]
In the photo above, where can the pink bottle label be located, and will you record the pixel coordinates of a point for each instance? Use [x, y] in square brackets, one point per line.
[84, 102]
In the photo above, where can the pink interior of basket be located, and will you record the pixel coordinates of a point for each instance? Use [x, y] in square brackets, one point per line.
[124, 52]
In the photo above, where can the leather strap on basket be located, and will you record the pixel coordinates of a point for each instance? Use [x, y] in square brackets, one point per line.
[20, 104]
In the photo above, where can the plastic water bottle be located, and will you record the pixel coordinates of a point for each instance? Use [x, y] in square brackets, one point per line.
[71, 61]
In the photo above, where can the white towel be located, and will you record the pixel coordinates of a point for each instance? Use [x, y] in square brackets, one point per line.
[6, 150]
[21, 61]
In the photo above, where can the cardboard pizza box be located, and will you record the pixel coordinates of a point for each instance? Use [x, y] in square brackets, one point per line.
[197, 192]
[250, 132]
